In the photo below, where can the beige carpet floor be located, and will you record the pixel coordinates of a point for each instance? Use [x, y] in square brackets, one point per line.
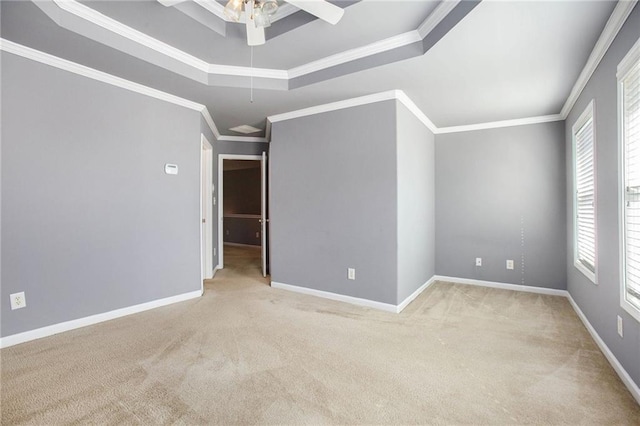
[248, 354]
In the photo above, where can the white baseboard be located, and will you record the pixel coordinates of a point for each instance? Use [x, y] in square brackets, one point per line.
[215, 270]
[624, 376]
[339, 297]
[503, 286]
[93, 319]
[622, 373]
[415, 294]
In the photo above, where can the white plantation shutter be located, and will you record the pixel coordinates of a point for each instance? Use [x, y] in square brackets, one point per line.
[631, 167]
[584, 178]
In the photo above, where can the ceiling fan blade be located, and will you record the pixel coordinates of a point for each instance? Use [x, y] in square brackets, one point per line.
[322, 9]
[170, 3]
[255, 35]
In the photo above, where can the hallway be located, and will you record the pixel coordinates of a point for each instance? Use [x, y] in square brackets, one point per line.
[241, 263]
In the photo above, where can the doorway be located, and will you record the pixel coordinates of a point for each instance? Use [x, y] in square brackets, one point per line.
[206, 208]
[242, 210]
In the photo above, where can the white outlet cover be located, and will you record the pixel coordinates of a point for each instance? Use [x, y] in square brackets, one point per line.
[509, 264]
[478, 261]
[351, 273]
[18, 300]
[620, 330]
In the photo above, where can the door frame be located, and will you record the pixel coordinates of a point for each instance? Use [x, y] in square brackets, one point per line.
[206, 199]
[221, 158]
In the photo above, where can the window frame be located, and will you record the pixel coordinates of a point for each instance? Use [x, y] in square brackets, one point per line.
[624, 67]
[589, 113]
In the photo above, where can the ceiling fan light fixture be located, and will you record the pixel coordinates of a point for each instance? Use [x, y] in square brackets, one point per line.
[233, 10]
[261, 18]
[269, 7]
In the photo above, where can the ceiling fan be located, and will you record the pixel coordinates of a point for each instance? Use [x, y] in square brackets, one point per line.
[258, 14]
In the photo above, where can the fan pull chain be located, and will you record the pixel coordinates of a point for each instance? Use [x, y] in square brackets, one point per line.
[251, 99]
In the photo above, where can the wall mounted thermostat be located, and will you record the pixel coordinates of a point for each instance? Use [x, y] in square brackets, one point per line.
[171, 169]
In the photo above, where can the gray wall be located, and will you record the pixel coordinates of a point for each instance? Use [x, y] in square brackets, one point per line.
[90, 221]
[333, 201]
[242, 230]
[601, 303]
[416, 203]
[242, 191]
[494, 188]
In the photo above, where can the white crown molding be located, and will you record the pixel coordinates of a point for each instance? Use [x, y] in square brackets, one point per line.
[212, 125]
[93, 319]
[501, 124]
[109, 24]
[334, 106]
[411, 106]
[63, 64]
[90, 15]
[438, 14]
[45, 58]
[371, 49]
[609, 33]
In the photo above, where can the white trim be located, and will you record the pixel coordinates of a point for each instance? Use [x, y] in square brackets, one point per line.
[629, 60]
[589, 113]
[215, 269]
[221, 158]
[415, 294]
[501, 124]
[502, 286]
[93, 319]
[624, 67]
[334, 106]
[338, 297]
[206, 257]
[63, 64]
[614, 24]
[371, 49]
[435, 17]
[413, 108]
[45, 58]
[75, 68]
[212, 125]
[622, 373]
[90, 15]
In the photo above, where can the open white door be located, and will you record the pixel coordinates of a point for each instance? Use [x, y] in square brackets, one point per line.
[264, 221]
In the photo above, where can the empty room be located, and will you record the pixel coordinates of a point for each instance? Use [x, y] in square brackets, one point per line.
[319, 212]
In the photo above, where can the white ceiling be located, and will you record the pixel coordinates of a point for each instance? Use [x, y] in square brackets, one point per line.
[504, 60]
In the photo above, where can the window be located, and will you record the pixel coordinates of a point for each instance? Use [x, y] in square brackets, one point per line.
[585, 194]
[629, 101]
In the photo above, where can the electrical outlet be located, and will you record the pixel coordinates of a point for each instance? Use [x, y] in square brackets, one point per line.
[620, 326]
[351, 274]
[478, 261]
[257, 235]
[18, 300]
[509, 264]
